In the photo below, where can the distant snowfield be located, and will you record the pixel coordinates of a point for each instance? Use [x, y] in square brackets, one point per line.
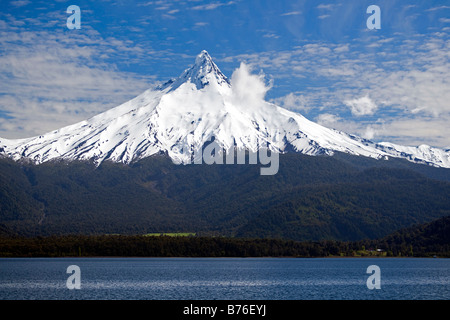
[184, 114]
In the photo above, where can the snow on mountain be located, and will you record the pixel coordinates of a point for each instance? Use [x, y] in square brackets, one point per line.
[185, 113]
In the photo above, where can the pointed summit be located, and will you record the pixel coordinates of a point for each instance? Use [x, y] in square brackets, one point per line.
[202, 73]
[203, 58]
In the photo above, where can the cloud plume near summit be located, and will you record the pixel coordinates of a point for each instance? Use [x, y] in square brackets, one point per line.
[248, 88]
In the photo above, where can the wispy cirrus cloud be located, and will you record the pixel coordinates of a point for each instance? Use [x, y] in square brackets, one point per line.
[438, 8]
[329, 6]
[53, 79]
[212, 6]
[271, 35]
[20, 3]
[291, 13]
[200, 24]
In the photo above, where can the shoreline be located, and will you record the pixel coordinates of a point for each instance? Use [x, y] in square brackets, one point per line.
[215, 247]
[212, 257]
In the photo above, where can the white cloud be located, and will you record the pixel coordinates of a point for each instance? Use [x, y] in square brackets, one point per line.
[292, 13]
[293, 102]
[410, 131]
[328, 120]
[415, 131]
[271, 35]
[369, 133]
[20, 3]
[403, 78]
[329, 7]
[201, 24]
[50, 80]
[361, 106]
[212, 6]
[438, 8]
[248, 88]
[341, 48]
[338, 71]
[325, 6]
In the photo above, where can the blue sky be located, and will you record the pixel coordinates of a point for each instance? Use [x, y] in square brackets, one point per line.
[390, 84]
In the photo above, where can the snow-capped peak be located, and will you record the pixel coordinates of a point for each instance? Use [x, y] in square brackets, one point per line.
[201, 74]
[182, 115]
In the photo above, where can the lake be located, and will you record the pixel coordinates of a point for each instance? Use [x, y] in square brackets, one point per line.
[224, 279]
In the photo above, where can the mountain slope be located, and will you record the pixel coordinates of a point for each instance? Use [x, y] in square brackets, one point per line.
[421, 240]
[310, 198]
[181, 116]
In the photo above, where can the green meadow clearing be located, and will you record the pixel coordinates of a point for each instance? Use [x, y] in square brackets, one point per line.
[170, 234]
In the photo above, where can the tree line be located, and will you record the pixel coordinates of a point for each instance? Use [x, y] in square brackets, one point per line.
[423, 240]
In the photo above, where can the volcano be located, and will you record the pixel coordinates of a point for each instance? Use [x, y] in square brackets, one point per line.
[183, 114]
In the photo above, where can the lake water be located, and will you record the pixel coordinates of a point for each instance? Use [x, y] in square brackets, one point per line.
[224, 278]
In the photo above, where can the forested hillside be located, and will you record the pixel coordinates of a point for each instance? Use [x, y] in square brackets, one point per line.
[310, 198]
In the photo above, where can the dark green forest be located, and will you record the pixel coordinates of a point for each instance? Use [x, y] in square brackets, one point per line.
[338, 198]
[425, 240]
